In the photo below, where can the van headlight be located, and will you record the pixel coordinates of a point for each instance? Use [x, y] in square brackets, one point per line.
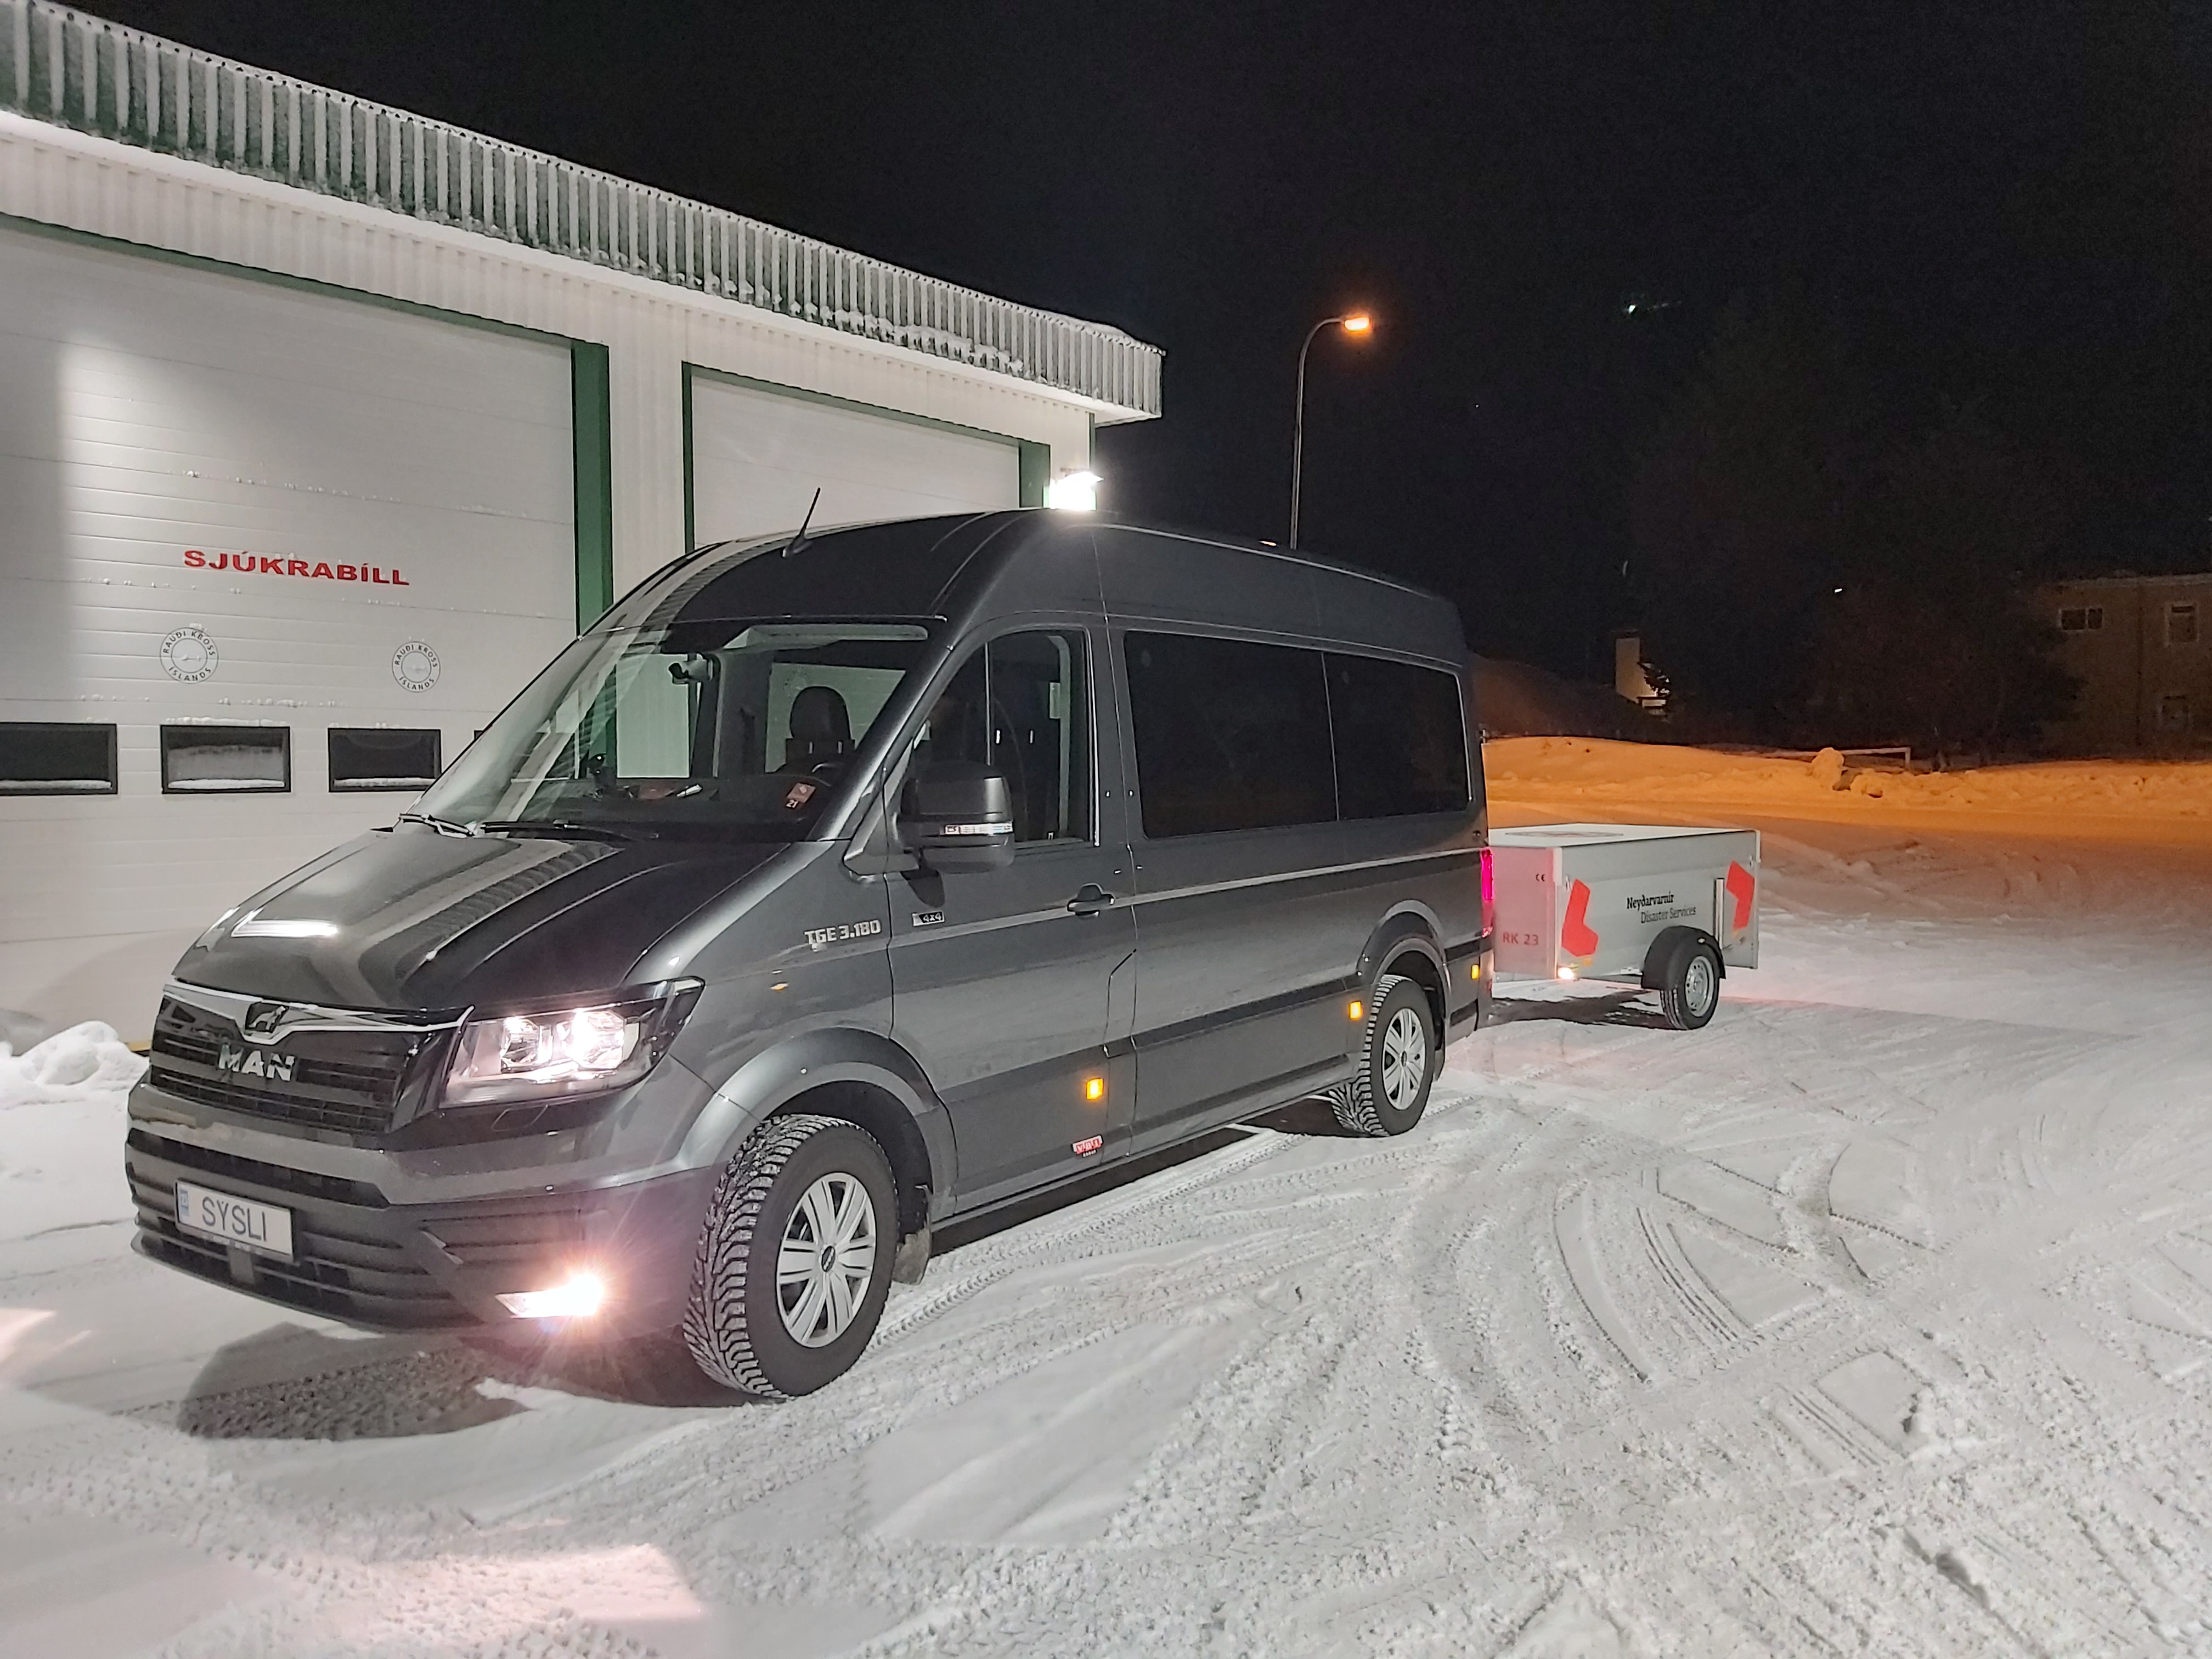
[566, 1051]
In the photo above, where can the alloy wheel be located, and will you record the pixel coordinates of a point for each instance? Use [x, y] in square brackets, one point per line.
[1405, 1058]
[829, 1252]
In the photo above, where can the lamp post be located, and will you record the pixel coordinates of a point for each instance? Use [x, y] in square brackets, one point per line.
[1357, 323]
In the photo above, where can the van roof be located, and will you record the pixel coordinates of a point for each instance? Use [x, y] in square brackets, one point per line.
[936, 566]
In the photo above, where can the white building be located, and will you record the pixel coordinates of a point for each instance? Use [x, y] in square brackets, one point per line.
[322, 426]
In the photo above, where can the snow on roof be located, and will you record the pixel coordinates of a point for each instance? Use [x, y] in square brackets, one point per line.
[70, 70]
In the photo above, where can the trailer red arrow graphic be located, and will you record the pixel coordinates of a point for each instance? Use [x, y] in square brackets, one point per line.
[1740, 886]
[1576, 933]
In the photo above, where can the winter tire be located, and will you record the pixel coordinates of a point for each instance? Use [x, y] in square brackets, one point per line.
[1397, 1062]
[1689, 981]
[795, 1259]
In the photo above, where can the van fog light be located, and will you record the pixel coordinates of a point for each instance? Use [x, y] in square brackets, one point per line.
[1568, 972]
[579, 1296]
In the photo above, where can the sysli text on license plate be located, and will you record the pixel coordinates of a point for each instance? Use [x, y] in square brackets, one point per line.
[261, 1227]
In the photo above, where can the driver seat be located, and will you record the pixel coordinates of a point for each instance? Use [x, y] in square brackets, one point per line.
[821, 729]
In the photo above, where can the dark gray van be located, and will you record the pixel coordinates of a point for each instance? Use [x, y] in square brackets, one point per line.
[824, 890]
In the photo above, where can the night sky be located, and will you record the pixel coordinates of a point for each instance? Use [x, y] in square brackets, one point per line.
[2006, 208]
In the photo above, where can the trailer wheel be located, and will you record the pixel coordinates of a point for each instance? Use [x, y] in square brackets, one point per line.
[795, 1259]
[1397, 1062]
[1686, 971]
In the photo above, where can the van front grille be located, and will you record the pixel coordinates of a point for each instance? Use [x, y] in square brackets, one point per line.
[276, 1178]
[361, 1081]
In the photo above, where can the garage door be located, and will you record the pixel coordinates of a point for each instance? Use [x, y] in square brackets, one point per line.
[228, 503]
[757, 458]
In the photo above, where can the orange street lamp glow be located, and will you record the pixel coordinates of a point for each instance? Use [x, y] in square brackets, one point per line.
[1352, 322]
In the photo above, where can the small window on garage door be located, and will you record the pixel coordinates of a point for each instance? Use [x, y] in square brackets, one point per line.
[226, 760]
[383, 757]
[56, 758]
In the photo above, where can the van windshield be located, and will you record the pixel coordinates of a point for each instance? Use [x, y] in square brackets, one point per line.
[736, 728]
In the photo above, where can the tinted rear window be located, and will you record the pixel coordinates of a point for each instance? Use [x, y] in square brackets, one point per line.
[1400, 743]
[1230, 735]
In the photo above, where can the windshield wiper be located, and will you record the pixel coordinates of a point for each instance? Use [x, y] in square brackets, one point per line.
[443, 826]
[567, 826]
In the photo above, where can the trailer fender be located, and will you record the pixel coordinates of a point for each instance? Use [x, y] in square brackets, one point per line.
[1664, 946]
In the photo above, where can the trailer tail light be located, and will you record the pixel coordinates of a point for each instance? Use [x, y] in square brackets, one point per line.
[1489, 893]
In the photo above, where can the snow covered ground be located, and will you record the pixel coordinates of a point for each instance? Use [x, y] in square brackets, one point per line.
[1875, 1319]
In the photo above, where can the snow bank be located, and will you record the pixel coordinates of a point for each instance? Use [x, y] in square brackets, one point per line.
[2175, 792]
[84, 1063]
[61, 1121]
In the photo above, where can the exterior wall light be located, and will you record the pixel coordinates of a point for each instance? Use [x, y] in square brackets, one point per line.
[1073, 492]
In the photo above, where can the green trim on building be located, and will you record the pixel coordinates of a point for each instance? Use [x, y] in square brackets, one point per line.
[590, 416]
[591, 420]
[1030, 459]
[1035, 472]
[691, 520]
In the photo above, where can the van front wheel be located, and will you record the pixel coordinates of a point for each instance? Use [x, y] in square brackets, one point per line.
[1397, 1062]
[795, 1259]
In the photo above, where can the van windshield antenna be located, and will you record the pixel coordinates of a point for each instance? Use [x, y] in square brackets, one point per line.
[799, 541]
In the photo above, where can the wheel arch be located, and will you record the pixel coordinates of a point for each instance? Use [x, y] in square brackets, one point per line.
[862, 1078]
[1407, 942]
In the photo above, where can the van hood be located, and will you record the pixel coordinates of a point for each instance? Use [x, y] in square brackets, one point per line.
[407, 919]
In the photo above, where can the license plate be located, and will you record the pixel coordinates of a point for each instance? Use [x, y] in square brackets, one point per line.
[259, 1227]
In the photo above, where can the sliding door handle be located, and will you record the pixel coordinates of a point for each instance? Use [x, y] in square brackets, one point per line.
[1091, 901]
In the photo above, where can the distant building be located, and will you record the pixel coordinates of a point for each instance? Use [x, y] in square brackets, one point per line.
[2141, 646]
[1630, 677]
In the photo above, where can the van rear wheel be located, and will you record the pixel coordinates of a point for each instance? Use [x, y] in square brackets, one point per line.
[1397, 1062]
[795, 1258]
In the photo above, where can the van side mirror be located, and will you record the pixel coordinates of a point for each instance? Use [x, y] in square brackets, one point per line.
[959, 817]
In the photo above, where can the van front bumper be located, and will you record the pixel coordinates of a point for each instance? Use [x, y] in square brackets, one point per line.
[365, 1261]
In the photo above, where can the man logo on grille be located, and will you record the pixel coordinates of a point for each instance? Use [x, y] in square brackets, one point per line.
[254, 1062]
[261, 1022]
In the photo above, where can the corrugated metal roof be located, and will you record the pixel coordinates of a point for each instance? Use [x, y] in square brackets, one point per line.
[64, 67]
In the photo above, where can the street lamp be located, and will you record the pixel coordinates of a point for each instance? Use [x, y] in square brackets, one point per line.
[1357, 323]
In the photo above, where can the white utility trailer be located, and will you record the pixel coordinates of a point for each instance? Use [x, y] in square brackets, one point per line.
[1669, 908]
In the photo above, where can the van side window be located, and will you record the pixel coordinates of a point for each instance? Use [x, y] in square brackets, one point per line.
[1019, 705]
[1230, 735]
[1401, 742]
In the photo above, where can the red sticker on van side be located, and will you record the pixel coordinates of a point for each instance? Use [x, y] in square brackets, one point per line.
[1576, 934]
